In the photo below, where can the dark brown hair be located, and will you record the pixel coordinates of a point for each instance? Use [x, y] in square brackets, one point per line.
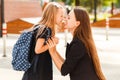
[83, 32]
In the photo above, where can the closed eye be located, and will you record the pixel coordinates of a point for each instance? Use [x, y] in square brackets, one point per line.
[68, 17]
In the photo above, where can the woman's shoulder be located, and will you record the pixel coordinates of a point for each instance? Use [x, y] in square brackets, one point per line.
[77, 41]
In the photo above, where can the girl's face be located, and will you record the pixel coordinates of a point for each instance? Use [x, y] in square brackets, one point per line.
[59, 17]
[71, 22]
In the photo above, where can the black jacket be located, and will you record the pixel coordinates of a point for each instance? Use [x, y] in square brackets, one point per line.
[78, 63]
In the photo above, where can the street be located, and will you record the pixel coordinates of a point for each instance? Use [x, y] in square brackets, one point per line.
[108, 51]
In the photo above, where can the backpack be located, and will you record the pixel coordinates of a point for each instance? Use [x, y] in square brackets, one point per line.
[21, 50]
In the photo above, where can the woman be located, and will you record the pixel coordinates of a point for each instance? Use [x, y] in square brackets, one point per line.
[81, 61]
[41, 68]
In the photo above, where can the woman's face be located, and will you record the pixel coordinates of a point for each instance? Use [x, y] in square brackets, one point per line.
[71, 21]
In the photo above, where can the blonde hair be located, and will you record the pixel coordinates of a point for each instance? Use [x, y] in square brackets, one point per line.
[49, 16]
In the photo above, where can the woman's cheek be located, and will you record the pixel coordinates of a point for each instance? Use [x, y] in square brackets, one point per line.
[67, 26]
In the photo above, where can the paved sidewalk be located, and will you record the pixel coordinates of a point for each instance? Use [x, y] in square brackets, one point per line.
[108, 51]
[5, 62]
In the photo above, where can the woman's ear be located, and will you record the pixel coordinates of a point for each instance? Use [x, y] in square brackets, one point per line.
[77, 23]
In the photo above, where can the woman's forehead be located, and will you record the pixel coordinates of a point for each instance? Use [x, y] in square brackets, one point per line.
[71, 12]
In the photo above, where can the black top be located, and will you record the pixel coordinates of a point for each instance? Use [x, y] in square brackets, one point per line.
[41, 68]
[78, 63]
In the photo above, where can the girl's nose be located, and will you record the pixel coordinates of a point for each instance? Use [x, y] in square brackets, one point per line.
[64, 22]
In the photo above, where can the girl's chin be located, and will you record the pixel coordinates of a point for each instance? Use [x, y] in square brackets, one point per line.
[66, 27]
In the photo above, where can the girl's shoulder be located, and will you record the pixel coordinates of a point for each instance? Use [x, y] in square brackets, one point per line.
[44, 28]
[48, 29]
[45, 32]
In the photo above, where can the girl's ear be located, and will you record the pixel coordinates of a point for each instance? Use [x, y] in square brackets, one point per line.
[77, 23]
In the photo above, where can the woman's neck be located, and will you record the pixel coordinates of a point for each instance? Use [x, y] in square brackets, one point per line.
[72, 31]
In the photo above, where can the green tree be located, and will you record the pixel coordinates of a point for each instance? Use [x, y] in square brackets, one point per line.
[89, 4]
[77, 2]
[108, 2]
[68, 2]
[118, 3]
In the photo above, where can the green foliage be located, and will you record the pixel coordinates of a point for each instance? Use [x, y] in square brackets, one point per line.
[89, 4]
[108, 2]
[118, 3]
[68, 2]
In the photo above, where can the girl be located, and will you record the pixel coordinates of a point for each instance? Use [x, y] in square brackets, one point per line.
[81, 61]
[41, 68]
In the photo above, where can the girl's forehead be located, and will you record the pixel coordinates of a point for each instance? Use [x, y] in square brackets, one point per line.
[57, 5]
[60, 10]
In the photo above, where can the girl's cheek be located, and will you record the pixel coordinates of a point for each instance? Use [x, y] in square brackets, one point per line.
[66, 26]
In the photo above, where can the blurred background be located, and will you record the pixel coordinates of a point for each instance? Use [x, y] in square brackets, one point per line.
[17, 15]
[21, 14]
